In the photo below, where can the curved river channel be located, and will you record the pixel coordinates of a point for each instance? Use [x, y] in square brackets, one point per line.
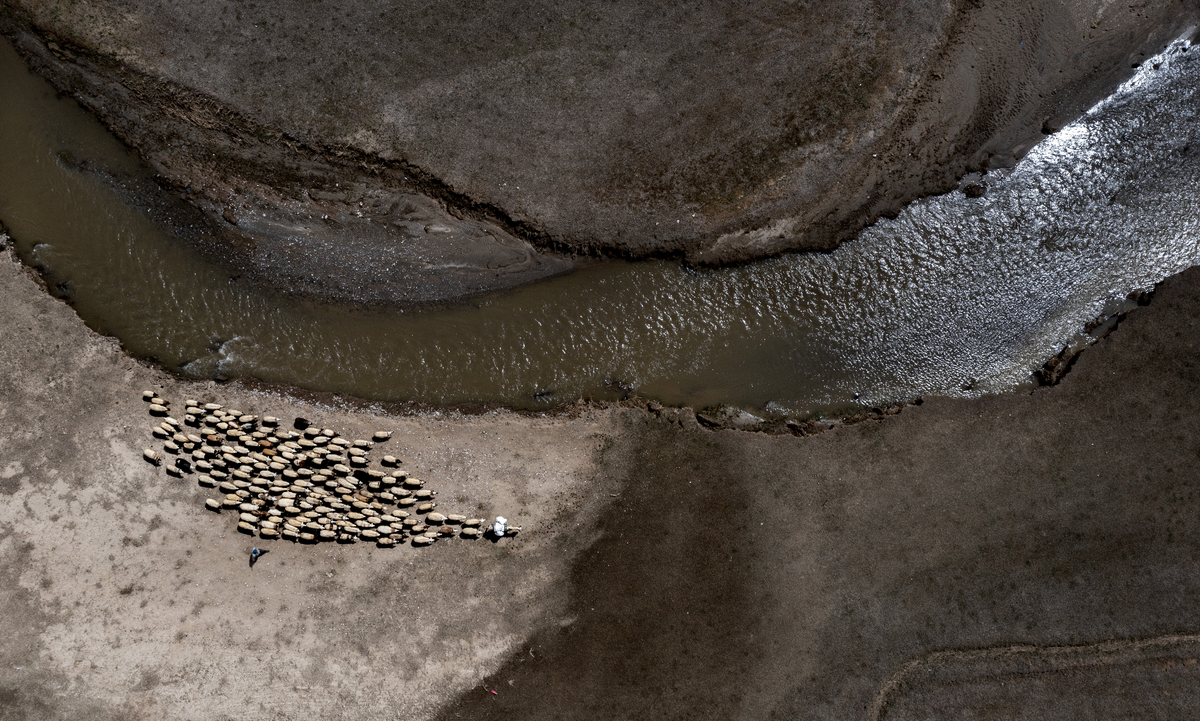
[957, 295]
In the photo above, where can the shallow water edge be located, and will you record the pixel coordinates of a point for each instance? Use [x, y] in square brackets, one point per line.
[719, 417]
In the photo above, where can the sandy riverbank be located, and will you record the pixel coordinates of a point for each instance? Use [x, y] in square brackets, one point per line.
[125, 599]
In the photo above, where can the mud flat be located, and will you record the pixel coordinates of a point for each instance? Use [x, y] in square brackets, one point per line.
[1045, 543]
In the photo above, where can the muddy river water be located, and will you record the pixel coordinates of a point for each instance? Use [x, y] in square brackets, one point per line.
[957, 295]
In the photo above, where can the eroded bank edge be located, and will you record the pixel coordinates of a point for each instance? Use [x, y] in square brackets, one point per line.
[96, 80]
[93, 80]
[246, 170]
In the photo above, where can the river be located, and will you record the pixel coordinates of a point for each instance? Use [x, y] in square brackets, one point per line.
[957, 295]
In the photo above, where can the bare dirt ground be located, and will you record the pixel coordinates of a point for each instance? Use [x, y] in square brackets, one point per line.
[1017, 556]
[124, 598]
[417, 136]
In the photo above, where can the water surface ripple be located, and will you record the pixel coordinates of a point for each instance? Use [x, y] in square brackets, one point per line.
[956, 295]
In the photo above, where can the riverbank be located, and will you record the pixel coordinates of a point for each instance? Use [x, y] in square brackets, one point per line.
[125, 598]
[1014, 524]
[381, 138]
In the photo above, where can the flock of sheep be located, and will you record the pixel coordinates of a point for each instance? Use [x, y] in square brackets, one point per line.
[309, 485]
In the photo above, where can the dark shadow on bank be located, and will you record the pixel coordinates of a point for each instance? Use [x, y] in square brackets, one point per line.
[653, 630]
[741, 575]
